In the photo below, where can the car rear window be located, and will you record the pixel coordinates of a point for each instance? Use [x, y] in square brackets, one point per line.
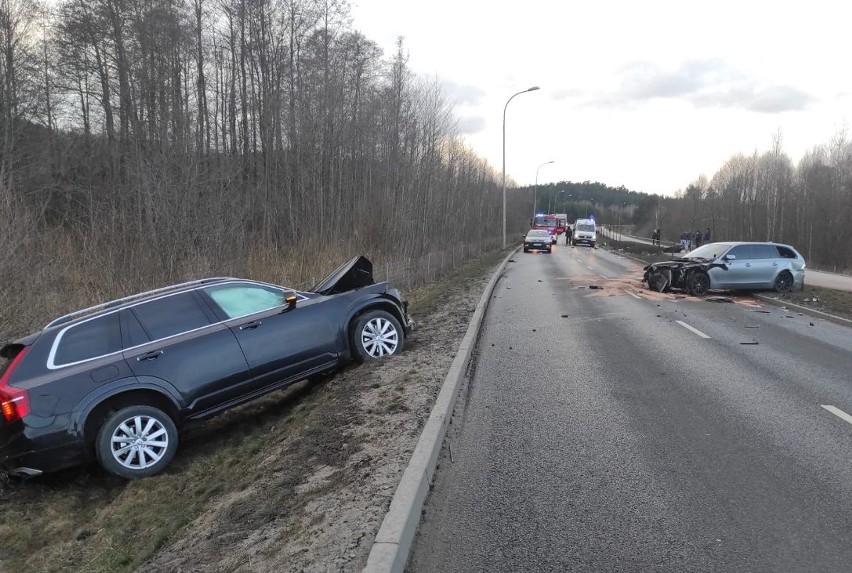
[785, 253]
[96, 337]
[763, 252]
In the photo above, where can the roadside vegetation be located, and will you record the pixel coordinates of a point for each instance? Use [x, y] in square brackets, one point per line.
[251, 469]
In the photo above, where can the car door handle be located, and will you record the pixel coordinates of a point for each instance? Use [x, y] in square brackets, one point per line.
[250, 325]
[748, 264]
[153, 355]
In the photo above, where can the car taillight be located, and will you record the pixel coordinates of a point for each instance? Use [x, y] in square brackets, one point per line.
[15, 402]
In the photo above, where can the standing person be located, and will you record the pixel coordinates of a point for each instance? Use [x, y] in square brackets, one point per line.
[697, 238]
[707, 236]
[659, 236]
[568, 234]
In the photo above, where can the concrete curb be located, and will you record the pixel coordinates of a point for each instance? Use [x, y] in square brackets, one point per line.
[393, 541]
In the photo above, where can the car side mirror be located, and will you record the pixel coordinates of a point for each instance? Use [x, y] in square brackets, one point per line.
[730, 257]
[291, 301]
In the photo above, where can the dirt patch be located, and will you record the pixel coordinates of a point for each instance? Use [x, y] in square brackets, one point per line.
[296, 481]
[630, 284]
[326, 519]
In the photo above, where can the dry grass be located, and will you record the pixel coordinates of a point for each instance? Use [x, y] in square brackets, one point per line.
[251, 463]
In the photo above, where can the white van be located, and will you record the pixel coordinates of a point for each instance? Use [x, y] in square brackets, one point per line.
[584, 232]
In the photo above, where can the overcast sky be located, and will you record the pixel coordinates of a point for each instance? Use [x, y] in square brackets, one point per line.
[648, 94]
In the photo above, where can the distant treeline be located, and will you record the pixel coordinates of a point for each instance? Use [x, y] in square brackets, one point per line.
[758, 197]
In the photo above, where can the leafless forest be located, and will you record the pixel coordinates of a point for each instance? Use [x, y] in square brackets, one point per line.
[147, 141]
[764, 196]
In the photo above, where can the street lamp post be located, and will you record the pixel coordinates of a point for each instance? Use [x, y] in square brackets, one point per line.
[532, 89]
[535, 189]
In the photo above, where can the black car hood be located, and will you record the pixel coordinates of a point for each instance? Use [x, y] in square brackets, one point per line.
[355, 273]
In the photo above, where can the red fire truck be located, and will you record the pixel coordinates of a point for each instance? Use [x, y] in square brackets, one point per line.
[548, 223]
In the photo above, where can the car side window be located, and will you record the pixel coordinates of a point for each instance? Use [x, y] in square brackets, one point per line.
[764, 252]
[134, 334]
[171, 315]
[96, 337]
[740, 252]
[785, 253]
[242, 299]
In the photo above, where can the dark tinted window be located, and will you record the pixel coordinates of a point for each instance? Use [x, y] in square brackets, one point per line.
[785, 253]
[133, 331]
[95, 337]
[171, 315]
[764, 252]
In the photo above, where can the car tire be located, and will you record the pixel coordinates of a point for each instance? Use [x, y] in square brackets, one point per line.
[150, 441]
[377, 334]
[698, 283]
[783, 282]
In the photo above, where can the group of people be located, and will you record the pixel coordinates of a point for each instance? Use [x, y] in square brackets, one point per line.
[655, 237]
[690, 240]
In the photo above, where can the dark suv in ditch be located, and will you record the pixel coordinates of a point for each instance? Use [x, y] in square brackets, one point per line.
[114, 382]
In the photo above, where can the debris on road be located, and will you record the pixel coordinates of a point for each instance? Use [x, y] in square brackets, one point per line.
[719, 299]
[752, 343]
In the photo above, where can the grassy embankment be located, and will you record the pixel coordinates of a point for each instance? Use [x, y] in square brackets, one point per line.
[84, 520]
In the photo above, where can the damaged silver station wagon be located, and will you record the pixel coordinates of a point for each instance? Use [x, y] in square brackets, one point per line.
[730, 266]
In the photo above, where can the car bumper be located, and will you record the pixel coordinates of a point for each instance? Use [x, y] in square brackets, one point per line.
[542, 246]
[26, 450]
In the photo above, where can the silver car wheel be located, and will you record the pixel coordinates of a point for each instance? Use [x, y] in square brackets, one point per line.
[139, 442]
[379, 337]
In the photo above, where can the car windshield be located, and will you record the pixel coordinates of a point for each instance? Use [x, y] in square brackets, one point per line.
[544, 222]
[708, 252]
[585, 227]
[535, 234]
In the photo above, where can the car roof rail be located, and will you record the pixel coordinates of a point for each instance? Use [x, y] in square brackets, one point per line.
[120, 301]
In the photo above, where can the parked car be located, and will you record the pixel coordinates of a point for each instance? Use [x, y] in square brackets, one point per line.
[538, 240]
[114, 382]
[730, 266]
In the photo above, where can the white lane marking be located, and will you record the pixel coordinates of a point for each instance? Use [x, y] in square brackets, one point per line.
[603, 276]
[838, 412]
[636, 296]
[692, 328]
[588, 267]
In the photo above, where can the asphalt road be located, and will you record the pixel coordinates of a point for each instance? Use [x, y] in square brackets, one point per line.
[617, 429]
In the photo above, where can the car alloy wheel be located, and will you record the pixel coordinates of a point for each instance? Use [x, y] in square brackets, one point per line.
[137, 441]
[377, 334]
[784, 282]
[699, 283]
